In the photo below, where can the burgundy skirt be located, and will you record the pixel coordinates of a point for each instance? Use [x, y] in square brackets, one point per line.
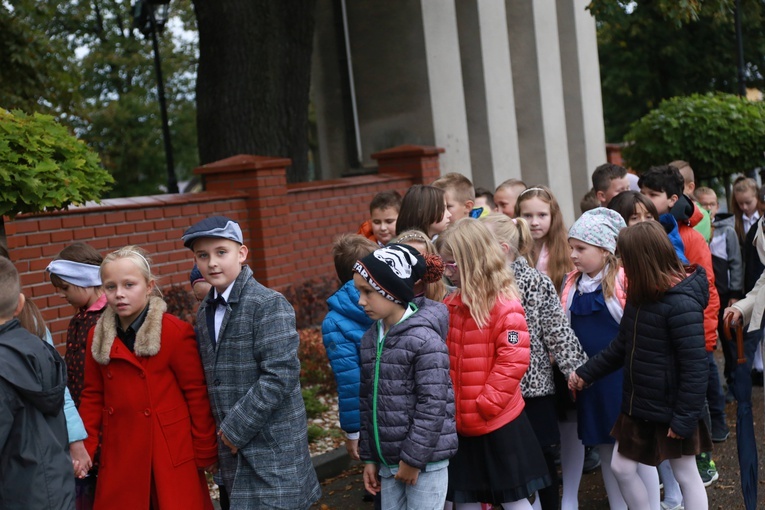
[647, 442]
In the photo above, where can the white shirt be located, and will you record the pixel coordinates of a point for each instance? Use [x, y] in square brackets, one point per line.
[749, 221]
[220, 311]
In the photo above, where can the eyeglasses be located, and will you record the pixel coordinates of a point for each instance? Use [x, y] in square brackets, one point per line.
[451, 267]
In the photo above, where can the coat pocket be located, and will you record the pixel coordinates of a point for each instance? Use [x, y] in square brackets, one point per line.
[176, 428]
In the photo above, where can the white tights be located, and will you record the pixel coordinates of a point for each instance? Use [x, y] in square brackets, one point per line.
[571, 462]
[639, 496]
[522, 504]
[647, 474]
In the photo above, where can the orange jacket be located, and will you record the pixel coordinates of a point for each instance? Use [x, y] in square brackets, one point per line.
[697, 252]
[365, 229]
[487, 365]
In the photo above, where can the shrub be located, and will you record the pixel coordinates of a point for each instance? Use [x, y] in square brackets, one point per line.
[181, 303]
[314, 364]
[309, 299]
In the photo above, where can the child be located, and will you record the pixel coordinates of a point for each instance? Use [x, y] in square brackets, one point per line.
[703, 224]
[199, 286]
[506, 195]
[424, 208]
[593, 297]
[36, 470]
[459, 194]
[608, 180]
[540, 209]
[664, 186]
[436, 290]
[407, 403]
[489, 353]
[660, 345]
[145, 396]
[341, 331]
[484, 199]
[551, 338]
[248, 344]
[380, 228]
[589, 202]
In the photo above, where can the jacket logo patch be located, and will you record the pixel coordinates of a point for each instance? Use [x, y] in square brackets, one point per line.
[512, 337]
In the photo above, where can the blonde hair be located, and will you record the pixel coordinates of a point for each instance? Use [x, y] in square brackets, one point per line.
[514, 232]
[609, 279]
[140, 258]
[436, 290]
[511, 183]
[458, 184]
[484, 275]
[559, 261]
[741, 185]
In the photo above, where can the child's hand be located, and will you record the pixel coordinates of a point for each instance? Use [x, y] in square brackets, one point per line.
[406, 473]
[575, 383]
[735, 315]
[371, 482]
[80, 459]
[352, 446]
[671, 434]
[212, 468]
[228, 443]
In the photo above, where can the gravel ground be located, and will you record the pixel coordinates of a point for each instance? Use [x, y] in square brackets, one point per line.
[345, 491]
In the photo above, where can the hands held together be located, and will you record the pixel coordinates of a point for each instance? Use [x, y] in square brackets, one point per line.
[575, 383]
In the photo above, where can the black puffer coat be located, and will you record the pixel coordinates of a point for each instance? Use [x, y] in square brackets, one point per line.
[407, 401]
[661, 347]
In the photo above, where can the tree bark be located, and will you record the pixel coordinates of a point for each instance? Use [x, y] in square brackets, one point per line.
[254, 78]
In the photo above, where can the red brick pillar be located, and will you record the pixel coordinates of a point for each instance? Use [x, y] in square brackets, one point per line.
[418, 160]
[268, 232]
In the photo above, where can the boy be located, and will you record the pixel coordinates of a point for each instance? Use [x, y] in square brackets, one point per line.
[380, 228]
[704, 224]
[484, 199]
[248, 345]
[589, 201]
[664, 186]
[408, 432]
[36, 470]
[506, 195]
[458, 193]
[341, 331]
[608, 180]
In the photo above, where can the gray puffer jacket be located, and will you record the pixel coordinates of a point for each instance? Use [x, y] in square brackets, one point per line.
[406, 396]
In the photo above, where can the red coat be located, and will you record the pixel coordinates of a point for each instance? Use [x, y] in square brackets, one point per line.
[487, 365]
[153, 412]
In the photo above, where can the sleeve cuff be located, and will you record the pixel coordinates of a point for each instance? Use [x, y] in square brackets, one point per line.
[352, 435]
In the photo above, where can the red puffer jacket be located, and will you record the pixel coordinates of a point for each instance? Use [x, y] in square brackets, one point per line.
[487, 365]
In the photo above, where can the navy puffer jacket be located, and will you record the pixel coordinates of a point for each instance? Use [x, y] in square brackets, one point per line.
[407, 401]
[661, 347]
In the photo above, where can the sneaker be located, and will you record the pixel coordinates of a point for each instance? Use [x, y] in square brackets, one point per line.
[707, 469]
[721, 437]
[665, 506]
[591, 459]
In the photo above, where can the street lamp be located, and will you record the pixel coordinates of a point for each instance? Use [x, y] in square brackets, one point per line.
[150, 16]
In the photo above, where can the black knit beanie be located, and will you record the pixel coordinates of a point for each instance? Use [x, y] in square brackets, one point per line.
[392, 271]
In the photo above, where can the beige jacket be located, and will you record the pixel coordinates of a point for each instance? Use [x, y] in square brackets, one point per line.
[753, 305]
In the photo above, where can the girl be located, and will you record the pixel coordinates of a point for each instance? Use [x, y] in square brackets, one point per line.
[437, 290]
[660, 344]
[550, 336]
[540, 209]
[488, 345]
[145, 394]
[634, 207]
[423, 208]
[594, 298]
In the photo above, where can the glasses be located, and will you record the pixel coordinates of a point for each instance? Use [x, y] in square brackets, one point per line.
[451, 267]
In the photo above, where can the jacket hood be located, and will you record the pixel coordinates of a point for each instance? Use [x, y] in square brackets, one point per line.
[724, 219]
[695, 285]
[683, 210]
[429, 314]
[345, 301]
[32, 367]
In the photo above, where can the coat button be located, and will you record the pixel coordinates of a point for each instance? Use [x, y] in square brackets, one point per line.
[147, 412]
[110, 411]
[108, 374]
[142, 375]
[216, 382]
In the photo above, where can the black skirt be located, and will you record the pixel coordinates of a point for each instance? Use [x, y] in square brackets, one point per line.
[647, 442]
[502, 466]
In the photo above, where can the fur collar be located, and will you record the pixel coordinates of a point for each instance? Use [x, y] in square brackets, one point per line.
[147, 341]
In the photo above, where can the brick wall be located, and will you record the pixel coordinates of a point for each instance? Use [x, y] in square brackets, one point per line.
[288, 228]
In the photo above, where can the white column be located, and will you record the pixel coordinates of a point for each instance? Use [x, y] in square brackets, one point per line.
[447, 97]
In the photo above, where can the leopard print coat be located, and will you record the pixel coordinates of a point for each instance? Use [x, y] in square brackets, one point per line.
[551, 335]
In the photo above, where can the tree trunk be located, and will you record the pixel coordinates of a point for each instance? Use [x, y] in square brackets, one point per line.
[253, 79]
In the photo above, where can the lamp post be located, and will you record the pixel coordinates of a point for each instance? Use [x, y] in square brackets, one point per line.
[150, 16]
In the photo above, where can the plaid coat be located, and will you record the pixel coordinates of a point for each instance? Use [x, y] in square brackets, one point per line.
[253, 378]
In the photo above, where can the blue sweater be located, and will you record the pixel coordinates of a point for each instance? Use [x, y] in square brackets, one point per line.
[342, 330]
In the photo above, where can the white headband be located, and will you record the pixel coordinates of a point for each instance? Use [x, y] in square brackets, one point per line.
[531, 189]
[76, 273]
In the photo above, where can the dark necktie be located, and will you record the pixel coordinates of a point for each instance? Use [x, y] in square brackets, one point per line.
[212, 307]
